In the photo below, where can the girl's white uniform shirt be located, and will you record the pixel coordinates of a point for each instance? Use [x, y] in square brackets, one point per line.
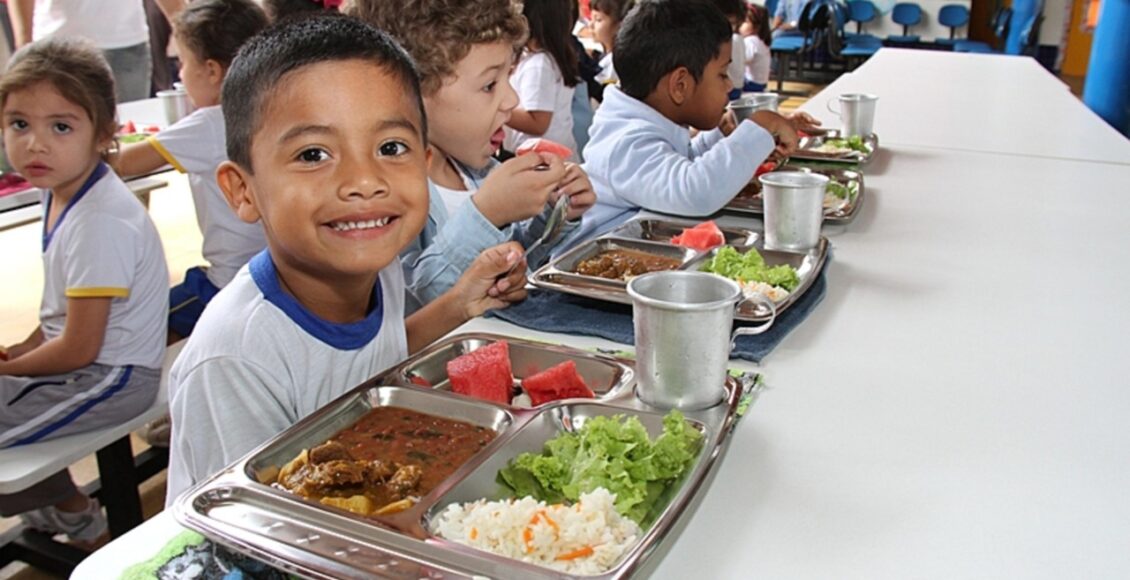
[541, 87]
[758, 60]
[104, 245]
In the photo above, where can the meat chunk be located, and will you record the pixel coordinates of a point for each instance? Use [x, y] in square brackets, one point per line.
[329, 451]
[404, 480]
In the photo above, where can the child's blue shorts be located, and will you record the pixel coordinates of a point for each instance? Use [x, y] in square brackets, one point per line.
[188, 299]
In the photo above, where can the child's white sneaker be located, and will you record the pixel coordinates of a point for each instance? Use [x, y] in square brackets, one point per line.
[86, 526]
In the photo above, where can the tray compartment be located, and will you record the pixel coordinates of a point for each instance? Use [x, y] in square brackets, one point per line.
[657, 230]
[804, 148]
[606, 376]
[566, 265]
[808, 267]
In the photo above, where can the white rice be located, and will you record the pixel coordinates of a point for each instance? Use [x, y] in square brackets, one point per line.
[774, 293]
[528, 530]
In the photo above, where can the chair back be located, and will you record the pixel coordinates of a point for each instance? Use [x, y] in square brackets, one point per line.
[953, 16]
[861, 12]
[907, 14]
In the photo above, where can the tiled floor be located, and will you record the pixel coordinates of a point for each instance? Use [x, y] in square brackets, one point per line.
[21, 284]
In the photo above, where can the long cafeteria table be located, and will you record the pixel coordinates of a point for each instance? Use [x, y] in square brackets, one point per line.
[955, 408]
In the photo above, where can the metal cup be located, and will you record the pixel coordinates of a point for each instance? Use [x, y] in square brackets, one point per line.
[794, 209]
[858, 113]
[176, 104]
[745, 106]
[683, 342]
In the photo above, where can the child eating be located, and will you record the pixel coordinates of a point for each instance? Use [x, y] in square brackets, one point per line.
[672, 58]
[464, 51]
[337, 174]
[95, 359]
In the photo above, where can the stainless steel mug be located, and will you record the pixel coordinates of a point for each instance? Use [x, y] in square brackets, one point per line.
[745, 106]
[794, 209]
[176, 104]
[683, 341]
[858, 113]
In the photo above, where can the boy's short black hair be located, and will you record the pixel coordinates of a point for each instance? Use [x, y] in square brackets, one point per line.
[291, 45]
[659, 36]
[735, 9]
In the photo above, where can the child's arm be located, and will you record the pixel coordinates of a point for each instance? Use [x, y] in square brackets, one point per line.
[76, 347]
[31, 342]
[137, 158]
[530, 122]
[484, 286]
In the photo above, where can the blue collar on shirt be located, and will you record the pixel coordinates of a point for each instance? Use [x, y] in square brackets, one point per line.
[348, 336]
[99, 171]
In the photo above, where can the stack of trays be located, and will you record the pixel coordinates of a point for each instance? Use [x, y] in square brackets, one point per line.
[241, 509]
[652, 237]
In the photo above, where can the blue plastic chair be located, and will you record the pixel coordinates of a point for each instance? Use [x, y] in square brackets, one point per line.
[861, 12]
[907, 14]
[953, 16]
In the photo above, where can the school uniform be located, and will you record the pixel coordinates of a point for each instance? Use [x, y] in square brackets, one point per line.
[639, 159]
[103, 245]
[541, 87]
[196, 146]
[757, 64]
[260, 361]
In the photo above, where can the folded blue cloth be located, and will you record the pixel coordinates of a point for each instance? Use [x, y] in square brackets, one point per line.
[551, 311]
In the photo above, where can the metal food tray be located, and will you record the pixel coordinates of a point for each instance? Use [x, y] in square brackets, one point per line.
[749, 201]
[662, 230]
[557, 274]
[804, 149]
[310, 539]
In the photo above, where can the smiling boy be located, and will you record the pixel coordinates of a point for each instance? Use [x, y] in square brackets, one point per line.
[338, 180]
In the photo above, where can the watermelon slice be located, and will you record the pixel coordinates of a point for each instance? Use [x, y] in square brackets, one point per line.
[557, 382]
[483, 373]
[544, 146]
[701, 237]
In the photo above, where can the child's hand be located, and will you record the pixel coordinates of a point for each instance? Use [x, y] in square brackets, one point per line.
[519, 189]
[729, 123]
[781, 128]
[579, 189]
[485, 285]
[803, 121]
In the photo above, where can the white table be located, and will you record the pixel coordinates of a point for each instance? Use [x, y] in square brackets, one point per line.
[956, 406]
[975, 102]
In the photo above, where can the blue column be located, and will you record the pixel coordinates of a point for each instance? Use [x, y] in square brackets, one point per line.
[1107, 89]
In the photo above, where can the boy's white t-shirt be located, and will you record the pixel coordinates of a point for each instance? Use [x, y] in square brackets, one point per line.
[541, 87]
[196, 145]
[124, 24]
[607, 74]
[104, 245]
[258, 362]
[758, 60]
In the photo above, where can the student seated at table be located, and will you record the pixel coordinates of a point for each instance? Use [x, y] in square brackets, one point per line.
[672, 58]
[95, 359]
[337, 174]
[207, 33]
[464, 51]
[786, 19]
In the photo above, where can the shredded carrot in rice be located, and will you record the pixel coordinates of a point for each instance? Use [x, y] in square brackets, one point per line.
[528, 538]
[474, 533]
[581, 552]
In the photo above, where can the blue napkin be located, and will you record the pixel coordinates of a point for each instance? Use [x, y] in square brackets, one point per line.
[552, 311]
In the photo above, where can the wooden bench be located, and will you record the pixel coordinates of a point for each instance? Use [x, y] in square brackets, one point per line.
[117, 487]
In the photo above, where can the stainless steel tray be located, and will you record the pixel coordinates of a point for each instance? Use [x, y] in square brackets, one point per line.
[807, 143]
[317, 541]
[556, 275]
[567, 263]
[749, 201]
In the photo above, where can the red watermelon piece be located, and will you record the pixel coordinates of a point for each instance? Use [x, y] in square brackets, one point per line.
[701, 237]
[483, 373]
[544, 146]
[557, 382]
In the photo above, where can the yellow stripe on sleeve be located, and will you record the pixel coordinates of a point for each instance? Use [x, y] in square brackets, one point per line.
[97, 292]
[165, 154]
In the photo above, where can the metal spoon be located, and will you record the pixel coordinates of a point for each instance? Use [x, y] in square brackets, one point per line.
[553, 226]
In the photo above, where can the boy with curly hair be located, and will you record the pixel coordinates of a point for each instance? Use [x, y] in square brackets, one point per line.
[464, 50]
